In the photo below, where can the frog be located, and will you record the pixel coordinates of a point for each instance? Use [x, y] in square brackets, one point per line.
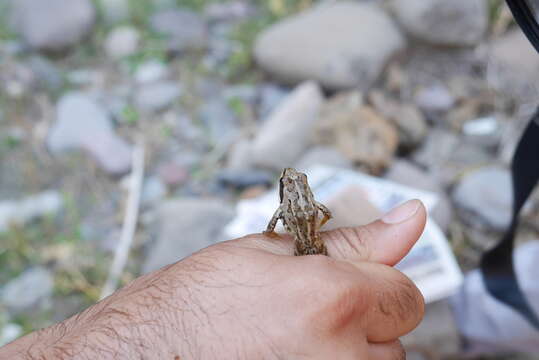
[299, 213]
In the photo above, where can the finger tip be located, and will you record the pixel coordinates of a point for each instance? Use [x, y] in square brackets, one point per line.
[420, 217]
[383, 241]
[396, 240]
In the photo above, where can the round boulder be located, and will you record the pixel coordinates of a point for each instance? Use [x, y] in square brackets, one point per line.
[341, 45]
[442, 22]
[52, 24]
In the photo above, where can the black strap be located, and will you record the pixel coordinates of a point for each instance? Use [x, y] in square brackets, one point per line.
[497, 264]
[525, 18]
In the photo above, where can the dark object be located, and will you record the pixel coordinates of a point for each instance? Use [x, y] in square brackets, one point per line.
[242, 179]
[497, 264]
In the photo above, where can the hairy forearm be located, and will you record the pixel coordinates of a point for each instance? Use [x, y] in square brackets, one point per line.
[131, 323]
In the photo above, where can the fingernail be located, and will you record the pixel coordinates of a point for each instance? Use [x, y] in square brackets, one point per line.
[402, 212]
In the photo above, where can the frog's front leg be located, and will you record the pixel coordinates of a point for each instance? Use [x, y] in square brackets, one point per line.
[325, 211]
[273, 222]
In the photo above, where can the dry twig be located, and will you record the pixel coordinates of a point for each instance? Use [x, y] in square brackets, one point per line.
[130, 222]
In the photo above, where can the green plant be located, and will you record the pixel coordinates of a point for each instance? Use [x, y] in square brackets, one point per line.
[6, 33]
[495, 8]
[130, 115]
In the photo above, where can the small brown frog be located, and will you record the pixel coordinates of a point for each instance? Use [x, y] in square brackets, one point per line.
[299, 213]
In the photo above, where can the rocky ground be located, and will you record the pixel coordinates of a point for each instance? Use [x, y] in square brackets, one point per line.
[222, 96]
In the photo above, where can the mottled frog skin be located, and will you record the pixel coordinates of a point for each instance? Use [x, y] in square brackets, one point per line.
[298, 210]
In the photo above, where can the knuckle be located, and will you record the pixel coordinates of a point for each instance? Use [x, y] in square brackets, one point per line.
[404, 302]
[353, 241]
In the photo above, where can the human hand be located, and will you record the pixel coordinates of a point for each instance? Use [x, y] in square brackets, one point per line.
[250, 299]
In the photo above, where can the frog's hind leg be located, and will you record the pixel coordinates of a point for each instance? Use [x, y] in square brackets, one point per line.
[273, 222]
[312, 243]
[317, 247]
[325, 211]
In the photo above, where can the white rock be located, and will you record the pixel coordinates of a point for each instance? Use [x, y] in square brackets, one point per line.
[31, 207]
[10, 332]
[27, 290]
[53, 24]
[435, 98]
[157, 96]
[83, 124]
[122, 41]
[341, 45]
[151, 71]
[287, 132]
[442, 22]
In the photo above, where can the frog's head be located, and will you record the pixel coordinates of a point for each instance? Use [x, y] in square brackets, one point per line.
[290, 175]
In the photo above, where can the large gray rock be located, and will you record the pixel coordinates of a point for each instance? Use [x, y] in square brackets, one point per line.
[184, 29]
[442, 22]
[447, 157]
[406, 173]
[486, 196]
[341, 45]
[286, 134]
[31, 288]
[83, 124]
[53, 24]
[187, 226]
[513, 66]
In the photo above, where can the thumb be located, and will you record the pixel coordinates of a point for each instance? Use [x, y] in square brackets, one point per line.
[384, 241]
